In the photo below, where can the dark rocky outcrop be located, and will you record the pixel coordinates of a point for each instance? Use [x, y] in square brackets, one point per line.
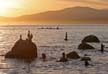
[23, 49]
[73, 55]
[91, 38]
[85, 46]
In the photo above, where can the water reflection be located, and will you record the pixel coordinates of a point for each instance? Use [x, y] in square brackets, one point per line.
[52, 43]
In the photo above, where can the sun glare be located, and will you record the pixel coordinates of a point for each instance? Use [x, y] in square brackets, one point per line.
[3, 12]
[6, 5]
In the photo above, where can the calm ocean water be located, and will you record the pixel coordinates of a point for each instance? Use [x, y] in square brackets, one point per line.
[51, 41]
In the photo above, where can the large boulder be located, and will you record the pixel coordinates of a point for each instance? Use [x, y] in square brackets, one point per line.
[23, 49]
[91, 38]
[85, 46]
[73, 55]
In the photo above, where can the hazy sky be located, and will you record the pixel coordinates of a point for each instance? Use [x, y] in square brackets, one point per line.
[24, 7]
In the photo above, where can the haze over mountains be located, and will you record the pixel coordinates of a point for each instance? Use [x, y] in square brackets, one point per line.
[68, 15]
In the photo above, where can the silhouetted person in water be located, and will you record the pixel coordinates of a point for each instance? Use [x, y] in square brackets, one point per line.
[44, 56]
[86, 60]
[102, 48]
[66, 38]
[86, 63]
[63, 58]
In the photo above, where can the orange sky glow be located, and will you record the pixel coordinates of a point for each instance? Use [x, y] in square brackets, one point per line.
[13, 8]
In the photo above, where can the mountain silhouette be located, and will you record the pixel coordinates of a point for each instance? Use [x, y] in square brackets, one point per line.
[85, 14]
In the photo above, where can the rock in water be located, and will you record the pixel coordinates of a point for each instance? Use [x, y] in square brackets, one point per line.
[63, 58]
[23, 49]
[91, 38]
[73, 55]
[85, 46]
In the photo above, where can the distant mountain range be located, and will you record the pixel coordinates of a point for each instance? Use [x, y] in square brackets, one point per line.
[68, 15]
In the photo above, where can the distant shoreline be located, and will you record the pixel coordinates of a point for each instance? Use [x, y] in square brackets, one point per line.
[20, 25]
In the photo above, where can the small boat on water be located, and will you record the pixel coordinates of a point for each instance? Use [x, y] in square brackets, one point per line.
[56, 28]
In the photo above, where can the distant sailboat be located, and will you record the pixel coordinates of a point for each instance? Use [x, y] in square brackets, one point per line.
[66, 38]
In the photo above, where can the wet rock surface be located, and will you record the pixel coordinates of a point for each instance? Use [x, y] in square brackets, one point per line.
[23, 49]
